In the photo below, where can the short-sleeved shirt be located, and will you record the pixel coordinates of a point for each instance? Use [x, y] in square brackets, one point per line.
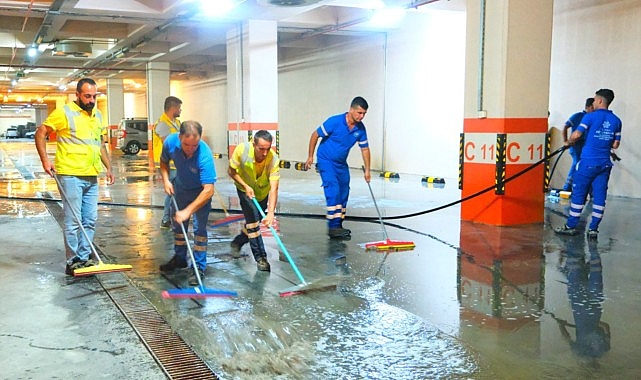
[337, 139]
[191, 173]
[573, 123]
[256, 175]
[601, 128]
[163, 128]
[79, 139]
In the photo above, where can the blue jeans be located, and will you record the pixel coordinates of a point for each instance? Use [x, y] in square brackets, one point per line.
[81, 202]
[199, 248]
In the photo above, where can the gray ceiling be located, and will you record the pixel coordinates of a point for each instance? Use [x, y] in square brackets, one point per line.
[117, 38]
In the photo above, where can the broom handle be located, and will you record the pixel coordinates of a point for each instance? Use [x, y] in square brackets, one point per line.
[191, 253]
[282, 246]
[380, 219]
[76, 217]
[222, 204]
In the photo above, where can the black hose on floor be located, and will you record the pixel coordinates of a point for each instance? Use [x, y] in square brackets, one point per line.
[354, 218]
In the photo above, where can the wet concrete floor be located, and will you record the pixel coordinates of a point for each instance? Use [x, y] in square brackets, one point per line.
[469, 302]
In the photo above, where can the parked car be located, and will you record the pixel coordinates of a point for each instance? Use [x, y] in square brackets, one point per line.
[30, 134]
[12, 133]
[132, 135]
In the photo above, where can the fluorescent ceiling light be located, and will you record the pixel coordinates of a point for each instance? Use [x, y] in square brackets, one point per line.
[217, 8]
[387, 17]
[156, 56]
[173, 49]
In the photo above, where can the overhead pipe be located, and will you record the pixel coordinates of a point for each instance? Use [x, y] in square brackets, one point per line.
[480, 88]
[26, 17]
[76, 68]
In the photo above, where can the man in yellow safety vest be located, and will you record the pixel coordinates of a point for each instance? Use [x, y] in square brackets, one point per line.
[80, 156]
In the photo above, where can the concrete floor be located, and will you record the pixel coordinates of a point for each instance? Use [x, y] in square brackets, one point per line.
[470, 302]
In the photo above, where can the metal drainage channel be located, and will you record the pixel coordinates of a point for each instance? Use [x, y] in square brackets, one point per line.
[170, 351]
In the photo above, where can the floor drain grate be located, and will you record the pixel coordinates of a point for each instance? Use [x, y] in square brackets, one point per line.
[176, 358]
[170, 351]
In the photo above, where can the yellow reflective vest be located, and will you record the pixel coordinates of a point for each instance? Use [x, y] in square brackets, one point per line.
[243, 161]
[78, 140]
[157, 141]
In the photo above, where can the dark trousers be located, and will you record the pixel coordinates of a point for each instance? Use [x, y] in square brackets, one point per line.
[252, 225]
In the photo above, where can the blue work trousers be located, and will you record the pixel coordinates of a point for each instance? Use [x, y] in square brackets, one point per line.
[576, 155]
[586, 176]
[335, 177]
[200, 217]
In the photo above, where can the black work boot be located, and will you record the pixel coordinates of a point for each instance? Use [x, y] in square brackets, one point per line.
[262, 264]
[565, 230]
[173, 264]
[193, 280]
[339, 233]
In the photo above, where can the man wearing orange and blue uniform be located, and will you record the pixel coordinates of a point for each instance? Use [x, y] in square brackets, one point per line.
[80, 157]
[192, 188]
[338, 135]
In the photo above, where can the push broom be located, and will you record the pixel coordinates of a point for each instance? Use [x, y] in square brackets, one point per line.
[199, 291]
[228, 218]
[387, 244]
[102, 267]
[303, 287]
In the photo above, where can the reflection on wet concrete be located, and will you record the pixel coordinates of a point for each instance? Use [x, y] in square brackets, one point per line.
[591, 338]
[471, 301]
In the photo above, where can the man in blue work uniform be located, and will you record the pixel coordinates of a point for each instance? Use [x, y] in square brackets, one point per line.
[603, 133]
[338, 134]
[575, 150]
[192, 187]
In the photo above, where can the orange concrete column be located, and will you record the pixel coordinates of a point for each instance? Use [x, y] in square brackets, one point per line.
[501, 279]
[506, 108]
[252, 81]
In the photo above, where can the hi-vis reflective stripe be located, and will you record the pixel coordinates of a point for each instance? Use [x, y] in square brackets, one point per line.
[254, 234]
[71, 119]
[69, 140]
[334, 208]
[200, 248]
[252, 225]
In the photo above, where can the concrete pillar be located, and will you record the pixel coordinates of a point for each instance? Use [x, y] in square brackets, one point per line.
[115, 108]
[157, 90]
[506, 108]
[115, 101]
[252, 77]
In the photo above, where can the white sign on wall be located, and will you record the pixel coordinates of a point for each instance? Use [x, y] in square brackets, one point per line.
[521, 148]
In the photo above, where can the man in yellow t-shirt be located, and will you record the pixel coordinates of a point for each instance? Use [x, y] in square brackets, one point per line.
[255, 169]
[80, 156]
[166, 125]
